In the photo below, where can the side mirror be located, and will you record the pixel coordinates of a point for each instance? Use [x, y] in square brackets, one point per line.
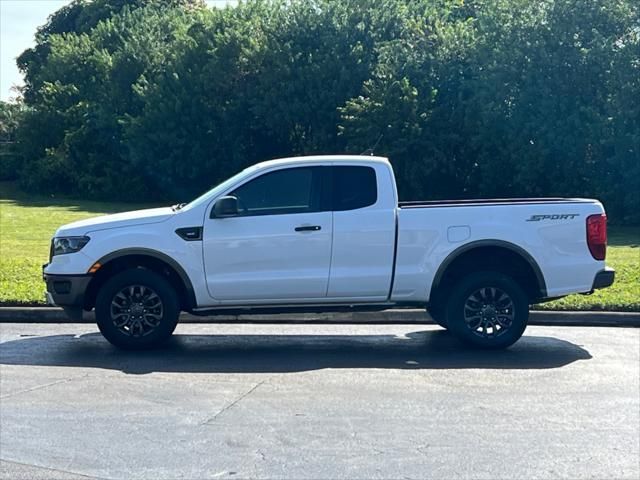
[225, 207]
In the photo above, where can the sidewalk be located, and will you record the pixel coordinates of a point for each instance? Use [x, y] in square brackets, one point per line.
[404, 316]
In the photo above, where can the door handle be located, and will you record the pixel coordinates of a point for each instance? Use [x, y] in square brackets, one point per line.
[308, 228]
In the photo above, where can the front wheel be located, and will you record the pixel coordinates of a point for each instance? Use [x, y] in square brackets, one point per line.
[137, 309]
[438, 315]
[488, 310]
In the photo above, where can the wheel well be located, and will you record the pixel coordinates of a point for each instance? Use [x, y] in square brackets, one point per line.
[493, 258]
[126, 262]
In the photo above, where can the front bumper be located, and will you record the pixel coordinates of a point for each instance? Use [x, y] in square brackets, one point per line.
[604, 278]
[66, 290]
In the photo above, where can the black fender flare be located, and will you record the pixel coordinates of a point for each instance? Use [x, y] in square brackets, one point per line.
[163, 257]
[542, 286]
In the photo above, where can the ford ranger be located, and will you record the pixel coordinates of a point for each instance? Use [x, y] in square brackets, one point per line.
[327, 233]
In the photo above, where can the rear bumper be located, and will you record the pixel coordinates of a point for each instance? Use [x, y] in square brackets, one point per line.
[604, 278]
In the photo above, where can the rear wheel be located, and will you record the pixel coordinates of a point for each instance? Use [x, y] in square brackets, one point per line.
[488, 310]
[137, 309]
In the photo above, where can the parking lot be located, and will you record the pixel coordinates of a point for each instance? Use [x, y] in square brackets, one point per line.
[319, 401]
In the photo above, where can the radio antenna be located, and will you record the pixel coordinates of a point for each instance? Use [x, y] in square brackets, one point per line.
[369, 151]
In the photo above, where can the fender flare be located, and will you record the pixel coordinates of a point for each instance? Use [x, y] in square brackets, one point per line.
[163, 257]
[521, 252]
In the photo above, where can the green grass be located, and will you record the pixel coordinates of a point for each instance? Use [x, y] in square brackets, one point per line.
[27, 224]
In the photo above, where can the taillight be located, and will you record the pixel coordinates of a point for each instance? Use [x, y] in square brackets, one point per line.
[597, 235]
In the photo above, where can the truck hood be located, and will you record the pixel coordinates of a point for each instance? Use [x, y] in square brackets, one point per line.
[124, 219]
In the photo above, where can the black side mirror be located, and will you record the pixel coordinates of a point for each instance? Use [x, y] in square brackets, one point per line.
[225, 207]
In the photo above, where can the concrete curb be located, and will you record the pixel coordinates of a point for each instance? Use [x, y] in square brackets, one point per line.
[404, 316]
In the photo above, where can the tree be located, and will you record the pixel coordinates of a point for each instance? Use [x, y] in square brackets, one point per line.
[159, 99]
[74, 135]
[10, 118]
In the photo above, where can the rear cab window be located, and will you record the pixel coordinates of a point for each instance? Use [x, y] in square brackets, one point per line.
[354, 187]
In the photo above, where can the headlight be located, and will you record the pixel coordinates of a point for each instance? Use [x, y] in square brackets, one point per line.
[62, 245]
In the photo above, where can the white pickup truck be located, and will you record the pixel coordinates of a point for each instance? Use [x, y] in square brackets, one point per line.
[326, 233]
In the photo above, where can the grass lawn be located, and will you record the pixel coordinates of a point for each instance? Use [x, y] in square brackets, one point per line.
[27, 224]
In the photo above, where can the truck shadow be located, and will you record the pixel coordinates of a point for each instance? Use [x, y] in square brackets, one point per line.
[432, 349]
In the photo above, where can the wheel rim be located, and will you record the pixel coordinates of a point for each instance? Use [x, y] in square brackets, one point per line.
[136, 310]
[489, 312]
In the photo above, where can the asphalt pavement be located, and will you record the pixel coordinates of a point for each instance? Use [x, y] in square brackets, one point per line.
[319, 401]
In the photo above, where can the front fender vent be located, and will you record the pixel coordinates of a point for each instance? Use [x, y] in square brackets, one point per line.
[190, 234]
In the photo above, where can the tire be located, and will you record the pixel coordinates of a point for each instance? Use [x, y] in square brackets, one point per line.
[438, 315]
[487, 310]
[137, 309]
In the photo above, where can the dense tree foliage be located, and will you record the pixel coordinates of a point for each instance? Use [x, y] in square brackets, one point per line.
[159, 99]
[10, 159]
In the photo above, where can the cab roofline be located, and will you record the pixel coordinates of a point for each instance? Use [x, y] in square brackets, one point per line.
[322, 158]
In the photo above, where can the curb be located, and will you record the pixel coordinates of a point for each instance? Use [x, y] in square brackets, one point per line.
[404, 316]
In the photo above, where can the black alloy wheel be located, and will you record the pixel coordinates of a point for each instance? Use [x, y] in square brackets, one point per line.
[137, 309]
[487, 309]
[489, 312]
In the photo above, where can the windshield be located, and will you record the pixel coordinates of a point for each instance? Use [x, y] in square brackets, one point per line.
[219, 188]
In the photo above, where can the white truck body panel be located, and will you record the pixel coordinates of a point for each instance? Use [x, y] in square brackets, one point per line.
[364, 244]
[265, 259]
[558, 248]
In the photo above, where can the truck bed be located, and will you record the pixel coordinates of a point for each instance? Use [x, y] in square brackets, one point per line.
[490, 201]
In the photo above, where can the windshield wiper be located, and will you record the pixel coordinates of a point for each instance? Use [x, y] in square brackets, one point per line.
[177, 206]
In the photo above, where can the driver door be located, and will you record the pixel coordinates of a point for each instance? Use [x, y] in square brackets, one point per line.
[278, 247]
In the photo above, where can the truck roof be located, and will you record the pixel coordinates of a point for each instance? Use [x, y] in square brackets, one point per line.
[323, 158]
